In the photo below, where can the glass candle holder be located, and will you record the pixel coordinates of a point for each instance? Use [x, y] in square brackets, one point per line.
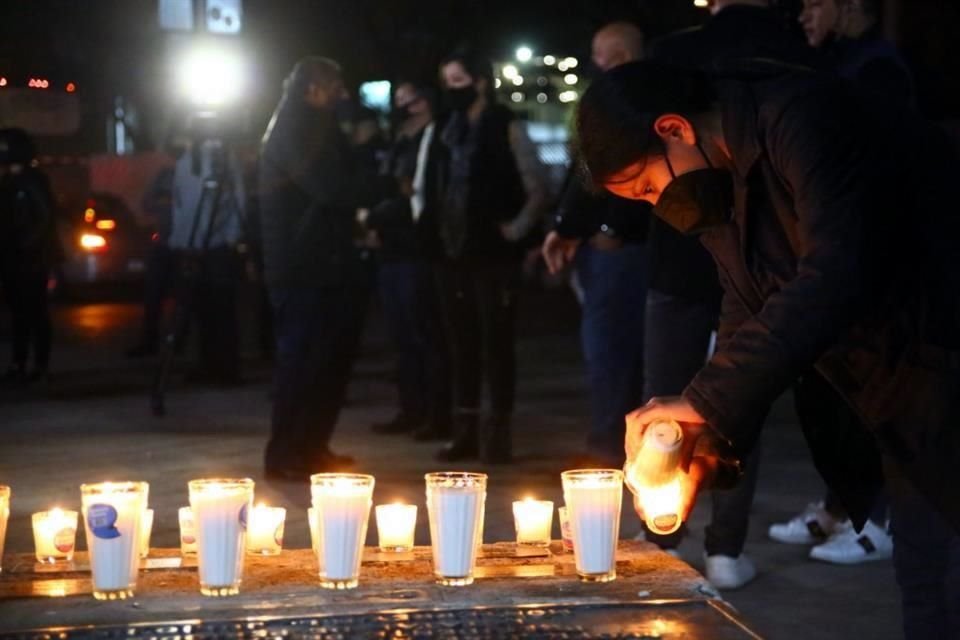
[265, 536]
[4, 518]
[342, 504]
[593, 499]
[314, 538]
[188, 532]
[55, 535]
[566, 535]
[146, 528]
[455, 506]
[112, 518]
[221, 509]
[396, 524]
[533, 521]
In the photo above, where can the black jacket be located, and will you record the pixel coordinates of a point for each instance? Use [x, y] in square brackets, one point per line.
[307, 199]
[842, 255]
[27, 222]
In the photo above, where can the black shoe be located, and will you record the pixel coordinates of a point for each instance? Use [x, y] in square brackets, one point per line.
[431, 432]
[399, 424]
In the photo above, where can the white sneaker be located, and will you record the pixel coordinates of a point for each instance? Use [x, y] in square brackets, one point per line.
[812, 526]
[846, 546]
[725, 572]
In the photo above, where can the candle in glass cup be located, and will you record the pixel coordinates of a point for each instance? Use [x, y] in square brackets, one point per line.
[221, 508]
[265, 536]
[455, 506]
[112, 516]
[566, 535]
[342, 502]
[146, 528]
[55, 534]
[593, 498]
[4, 517]
[533, 521]
[188, 532]
[396, 524]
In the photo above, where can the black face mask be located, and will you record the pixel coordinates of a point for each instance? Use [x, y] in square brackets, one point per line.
[460, 98]
[697, 200]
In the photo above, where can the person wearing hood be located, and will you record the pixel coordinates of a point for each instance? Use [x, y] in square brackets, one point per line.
[798, 191]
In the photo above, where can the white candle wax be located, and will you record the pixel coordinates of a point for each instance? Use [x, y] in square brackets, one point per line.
[54, 534]
[455, 505]
[396, 524]
[188, 532]
[112, 514]
[265, 535]
[593, 500]
[4, 517]
[342, 509]
[221, 510]
[146, 528]
[533, 521]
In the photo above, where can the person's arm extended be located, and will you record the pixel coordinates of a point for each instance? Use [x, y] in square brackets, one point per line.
[533, 174]
[822, 154]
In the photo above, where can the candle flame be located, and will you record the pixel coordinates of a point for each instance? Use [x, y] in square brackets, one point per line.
[56, 512]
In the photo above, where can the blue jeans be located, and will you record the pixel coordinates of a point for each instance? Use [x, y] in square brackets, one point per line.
[408, 294]
[615, 291]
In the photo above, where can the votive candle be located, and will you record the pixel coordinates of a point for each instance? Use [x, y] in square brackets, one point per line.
[55, 534]
[533, 521]
[265, 535]
[396, 524]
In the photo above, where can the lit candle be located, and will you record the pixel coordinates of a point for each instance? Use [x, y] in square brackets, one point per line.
[4, 516]
[221, 509]
[653, 476]
[54, 534]
[593, 499]
[146, 528]
[265, 535]
[188, 532]
[533, 520]
[455, 508]
[342, 502]
[395, 525]
[112, 514]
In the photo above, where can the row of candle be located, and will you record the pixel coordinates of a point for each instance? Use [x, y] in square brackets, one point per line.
[221, 524]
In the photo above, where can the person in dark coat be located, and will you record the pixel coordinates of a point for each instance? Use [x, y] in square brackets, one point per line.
[30, 249]
[798, 191]
[307, 219]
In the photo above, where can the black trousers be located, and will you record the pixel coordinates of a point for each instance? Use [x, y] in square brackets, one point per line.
[479, 301]
[157, 285]
[316, 337]
[26, 294]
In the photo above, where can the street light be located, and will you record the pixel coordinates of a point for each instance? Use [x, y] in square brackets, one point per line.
[209, 76]
[509, 71]
[524, 54]
[571, 78]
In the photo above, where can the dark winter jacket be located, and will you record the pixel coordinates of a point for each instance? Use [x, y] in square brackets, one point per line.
[307, 199]
[27, 222]
[842, 255]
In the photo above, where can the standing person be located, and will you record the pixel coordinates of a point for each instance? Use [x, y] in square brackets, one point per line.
[495, 193]
[406, 228]
[846, 32]
[605, 236]
[204, 235]
[798, 190]
[307, 220]
[28, 227]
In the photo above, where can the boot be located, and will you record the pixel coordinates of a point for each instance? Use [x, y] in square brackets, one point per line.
[496, 445]
[464, 445]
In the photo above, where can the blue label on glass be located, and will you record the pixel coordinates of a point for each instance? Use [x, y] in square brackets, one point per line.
[243, 517]
[102, 519]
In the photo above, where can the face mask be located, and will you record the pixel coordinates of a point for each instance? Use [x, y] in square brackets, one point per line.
[460, 98]
[697, 200]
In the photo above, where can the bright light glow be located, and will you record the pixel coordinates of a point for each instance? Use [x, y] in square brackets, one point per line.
[93, 242]
[89, 215]
[3, 82]
[542, 98]
[562, 66]
[210, 77]
[375, 94]
[524, 54]
[661, 506]
[703, 4]
[567, 96]
[549, 60]
[516, 96]
[106, 225]
[571, 62]
[71, 87]
[509, 71]
[517, 80]
[38, 83]
[571, 78]
[497, 83]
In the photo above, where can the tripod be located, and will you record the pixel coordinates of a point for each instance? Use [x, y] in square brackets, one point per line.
[193, 266]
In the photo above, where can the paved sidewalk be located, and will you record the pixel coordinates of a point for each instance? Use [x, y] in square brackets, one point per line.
[93, 423]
